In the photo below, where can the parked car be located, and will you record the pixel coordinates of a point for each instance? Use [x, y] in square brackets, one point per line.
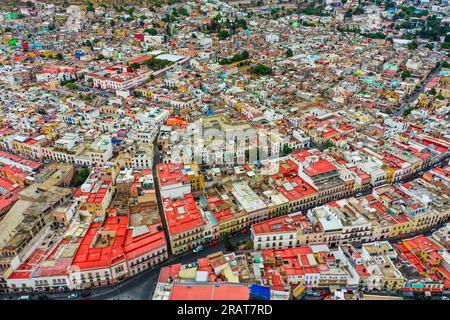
[85, 293]
[213, 242]
[198, 249]
[445, 298]
[43, 297]
[24, 298]
[245, 230]
[72, 296]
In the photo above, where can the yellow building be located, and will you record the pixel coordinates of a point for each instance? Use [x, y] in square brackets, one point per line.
[50, 129]
[147, 93]
[238, 106]
[28, 147]
[47, 54]
[443, 87]
[390, 174]
[402, 228]
[231, 222]
[195, 177]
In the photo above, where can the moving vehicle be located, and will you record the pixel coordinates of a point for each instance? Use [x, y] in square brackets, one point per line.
[198, 249]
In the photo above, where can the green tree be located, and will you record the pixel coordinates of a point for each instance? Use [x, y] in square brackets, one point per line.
[328, 144]
[228, 245]
[289, 53]
[405, 74]
[90, 7]
[223, 34]
[80, 177]
[151, 31]
[248, 245]
[183, 11]
[241, 23]
[261, 70]
[168, 31]
[244, 55]
[158, 64]
[408, 111]
[376, 35]
[445, 45]
[287, 149]
[413, 45]
[71, 86]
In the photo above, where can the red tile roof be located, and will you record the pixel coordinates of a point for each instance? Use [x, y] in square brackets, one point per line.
[137, 246]
[171, 173]
[182, 214]
[89, 256]
[300, 188]
[319, 167]
[279, 224]
[96, 195]
[169, 272]
[17, 159]
[210, 292]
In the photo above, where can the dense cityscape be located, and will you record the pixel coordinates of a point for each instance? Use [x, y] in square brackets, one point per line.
[216, 150]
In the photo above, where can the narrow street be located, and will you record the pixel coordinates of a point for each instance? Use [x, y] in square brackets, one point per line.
[157, 160]
[411, 98]
[142, 286]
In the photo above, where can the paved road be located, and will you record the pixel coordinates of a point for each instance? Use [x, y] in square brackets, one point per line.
[157, 158]
[142, 286]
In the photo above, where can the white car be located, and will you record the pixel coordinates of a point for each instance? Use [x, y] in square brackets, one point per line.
[72, 296]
